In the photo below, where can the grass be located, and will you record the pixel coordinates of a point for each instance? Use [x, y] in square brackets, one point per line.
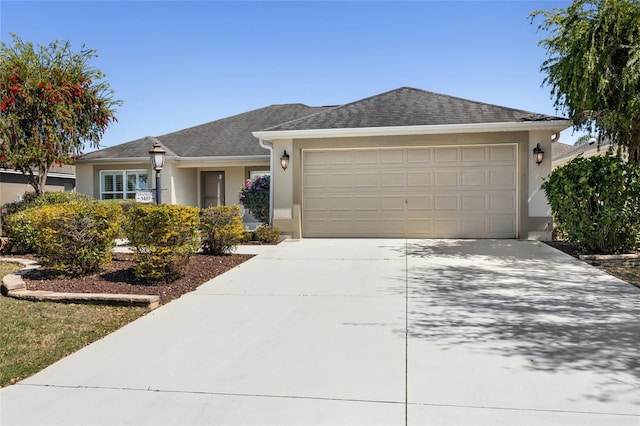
[34, 335]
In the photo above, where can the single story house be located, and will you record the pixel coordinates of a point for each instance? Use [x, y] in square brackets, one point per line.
[405, 163]
[205, 165]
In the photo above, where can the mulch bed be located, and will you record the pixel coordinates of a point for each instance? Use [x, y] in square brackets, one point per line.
[569, 248]
[119, 278]
[565, 247]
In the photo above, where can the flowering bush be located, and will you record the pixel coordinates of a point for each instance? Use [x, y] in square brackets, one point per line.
[254, 195]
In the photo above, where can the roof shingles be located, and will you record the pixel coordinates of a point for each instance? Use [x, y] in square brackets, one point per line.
[232, 136]
[407, 106]
[227, 137]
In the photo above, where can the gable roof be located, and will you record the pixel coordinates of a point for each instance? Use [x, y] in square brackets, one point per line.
[407, 106]
[227, 137]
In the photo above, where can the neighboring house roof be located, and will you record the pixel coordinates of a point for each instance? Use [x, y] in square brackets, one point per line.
[227, 137]
[558, 149]
[407, 106]
[63, 171]
[588, 148]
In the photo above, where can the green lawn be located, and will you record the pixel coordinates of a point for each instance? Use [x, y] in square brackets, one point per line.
[34, 335]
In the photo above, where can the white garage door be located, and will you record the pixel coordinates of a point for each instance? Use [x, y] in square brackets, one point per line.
[429, 192]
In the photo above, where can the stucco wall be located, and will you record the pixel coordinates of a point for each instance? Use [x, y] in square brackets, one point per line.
[84, 180]
[180, 185]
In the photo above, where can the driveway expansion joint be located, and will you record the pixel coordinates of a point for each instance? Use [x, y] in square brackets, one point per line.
[539, 410]
[193, 392]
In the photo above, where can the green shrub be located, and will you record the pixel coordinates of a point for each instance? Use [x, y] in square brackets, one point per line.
[163, 238]
[31, 199]
[267, 234]
[254, 195]
[596, 203]
[77, 238]
[247, 236]
[222, 229]
[22, 229]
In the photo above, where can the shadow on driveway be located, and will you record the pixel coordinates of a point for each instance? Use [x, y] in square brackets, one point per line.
[526, 299]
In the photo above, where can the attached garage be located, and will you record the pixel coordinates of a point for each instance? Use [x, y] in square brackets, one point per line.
[415, 192]
[415, 164]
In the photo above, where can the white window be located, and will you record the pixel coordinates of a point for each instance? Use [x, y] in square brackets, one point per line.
[122, 184]
[255, 173]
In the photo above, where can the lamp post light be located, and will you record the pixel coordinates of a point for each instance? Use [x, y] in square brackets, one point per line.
[157, 156]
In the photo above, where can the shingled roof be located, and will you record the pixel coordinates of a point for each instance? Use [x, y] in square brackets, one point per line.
[227, 137]
[591, 145]
[559, 149]
[407, 106]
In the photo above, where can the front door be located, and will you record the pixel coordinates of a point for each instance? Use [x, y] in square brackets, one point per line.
[212, 189]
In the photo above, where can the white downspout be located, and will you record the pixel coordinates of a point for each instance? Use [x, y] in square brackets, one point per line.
[269, 146]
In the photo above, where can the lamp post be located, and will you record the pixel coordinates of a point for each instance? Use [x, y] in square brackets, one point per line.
[157, 156]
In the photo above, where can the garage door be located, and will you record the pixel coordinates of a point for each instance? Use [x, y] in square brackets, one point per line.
[427, 192]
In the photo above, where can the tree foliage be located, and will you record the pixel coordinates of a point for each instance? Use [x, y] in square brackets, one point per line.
[52, 103]
[593, 67]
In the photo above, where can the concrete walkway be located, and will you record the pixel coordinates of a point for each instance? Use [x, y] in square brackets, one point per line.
[437, 332]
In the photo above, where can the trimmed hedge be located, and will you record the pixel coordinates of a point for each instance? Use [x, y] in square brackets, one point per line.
[267, 234]
[163, 238]
[77, 238]
[22, 229]
[596, 203]
[222, 229]
[31, 200]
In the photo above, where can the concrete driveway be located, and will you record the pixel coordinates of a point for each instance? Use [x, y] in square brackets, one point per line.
[420, 332]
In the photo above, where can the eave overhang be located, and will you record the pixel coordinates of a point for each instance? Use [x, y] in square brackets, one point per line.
[551, 125]
[176, 159]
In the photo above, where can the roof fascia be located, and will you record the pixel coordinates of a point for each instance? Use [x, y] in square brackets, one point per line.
[115, 160]
[554, 125]
[222, 159]
[50, 174]
[210, 159]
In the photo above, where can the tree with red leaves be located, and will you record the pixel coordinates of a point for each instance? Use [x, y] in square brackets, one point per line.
[52, 104]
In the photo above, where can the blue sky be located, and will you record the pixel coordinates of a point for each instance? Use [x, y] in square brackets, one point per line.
[179, 64]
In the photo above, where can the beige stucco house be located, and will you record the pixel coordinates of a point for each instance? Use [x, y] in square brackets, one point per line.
[405, 163]
[205, 165]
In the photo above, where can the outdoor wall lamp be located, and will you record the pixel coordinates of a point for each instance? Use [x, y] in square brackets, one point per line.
[157, 156]
[284, 160]
[538, 154]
